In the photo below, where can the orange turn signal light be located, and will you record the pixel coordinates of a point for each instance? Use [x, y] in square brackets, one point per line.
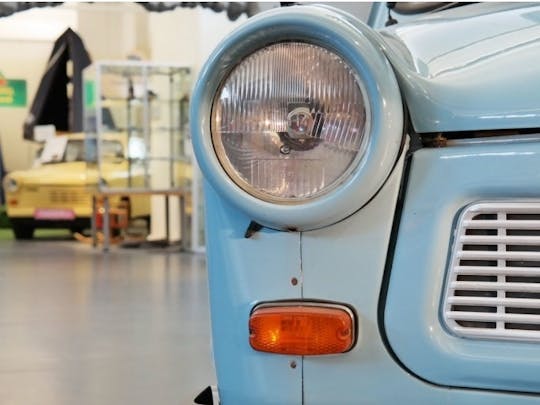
[304, 329]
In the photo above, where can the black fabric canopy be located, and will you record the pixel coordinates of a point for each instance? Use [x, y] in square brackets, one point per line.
[51, 104]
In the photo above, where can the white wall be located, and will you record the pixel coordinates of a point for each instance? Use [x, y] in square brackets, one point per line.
[111, 31]
[187, 36]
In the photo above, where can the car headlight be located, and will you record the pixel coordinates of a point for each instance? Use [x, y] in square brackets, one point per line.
[297, 117]
[290, 122]
[10, 184]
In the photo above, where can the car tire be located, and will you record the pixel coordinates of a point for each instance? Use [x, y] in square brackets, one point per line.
[77, 229]
[21, 231]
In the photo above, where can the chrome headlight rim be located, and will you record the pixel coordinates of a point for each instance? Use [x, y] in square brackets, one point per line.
[330, 29]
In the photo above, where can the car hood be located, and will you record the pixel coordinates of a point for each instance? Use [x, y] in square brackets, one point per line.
[474, 67]
[61, 174]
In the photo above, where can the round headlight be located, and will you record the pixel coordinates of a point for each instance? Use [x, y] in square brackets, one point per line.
[10, 185]
[296, 118]
[290, 122]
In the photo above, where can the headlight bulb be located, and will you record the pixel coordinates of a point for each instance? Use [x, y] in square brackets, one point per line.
[300, 123]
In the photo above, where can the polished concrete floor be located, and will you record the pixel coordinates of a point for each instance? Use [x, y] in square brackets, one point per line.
[81, 327]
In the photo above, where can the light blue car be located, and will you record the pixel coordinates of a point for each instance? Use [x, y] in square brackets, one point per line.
[373, 205]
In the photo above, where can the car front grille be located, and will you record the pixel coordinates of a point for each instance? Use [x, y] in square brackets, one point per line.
[47, 196]
[493, 284]
[68, 196]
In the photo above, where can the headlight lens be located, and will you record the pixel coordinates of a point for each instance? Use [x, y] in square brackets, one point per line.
[10, 185]
[290, 122]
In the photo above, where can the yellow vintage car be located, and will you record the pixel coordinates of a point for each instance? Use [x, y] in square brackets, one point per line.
[57, 192]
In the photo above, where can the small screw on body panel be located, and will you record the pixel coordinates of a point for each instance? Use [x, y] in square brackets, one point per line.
[293, 364]
[294, 281]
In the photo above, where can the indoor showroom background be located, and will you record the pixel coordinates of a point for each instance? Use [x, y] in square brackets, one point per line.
[110, 31]
[79, 325]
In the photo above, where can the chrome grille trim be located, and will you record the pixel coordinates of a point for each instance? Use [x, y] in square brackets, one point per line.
[492, 289]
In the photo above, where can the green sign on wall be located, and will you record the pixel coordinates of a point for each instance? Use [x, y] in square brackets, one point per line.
[89, 94]
[12, 92]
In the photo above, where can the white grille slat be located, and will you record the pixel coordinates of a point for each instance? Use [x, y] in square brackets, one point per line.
[495, 271]
[508, 334]
[494, 301]
[492, 224]
[495, 317]
[478, 255]
[521, 207]
[493, 240]
[493, 284]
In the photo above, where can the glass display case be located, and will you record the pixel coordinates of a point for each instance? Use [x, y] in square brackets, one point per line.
[144, 108]
[137, 133]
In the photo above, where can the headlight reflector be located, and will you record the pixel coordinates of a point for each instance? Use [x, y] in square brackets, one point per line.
[290, 122]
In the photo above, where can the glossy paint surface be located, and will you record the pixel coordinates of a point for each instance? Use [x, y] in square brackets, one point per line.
[442, 182]
[243, 272]
[470, 68]
[345, 263]
[328, 28]
[344, 260]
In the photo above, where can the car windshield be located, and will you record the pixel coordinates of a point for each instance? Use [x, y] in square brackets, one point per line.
[79, 150]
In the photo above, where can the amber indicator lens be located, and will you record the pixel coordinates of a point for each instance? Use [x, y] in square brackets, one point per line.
[301, 329]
